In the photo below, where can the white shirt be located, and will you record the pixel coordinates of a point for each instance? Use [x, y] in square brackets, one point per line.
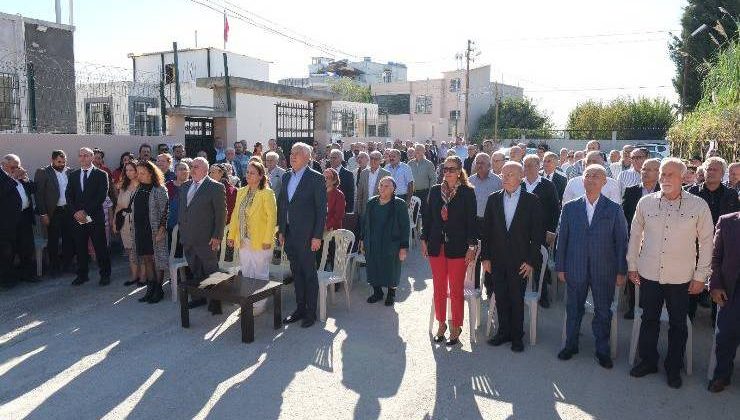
[82, 176]
[372, 178]
[510, 203]
[192, 190]
[62, 181]
[575, 189]
[590, 209]
[532, 186]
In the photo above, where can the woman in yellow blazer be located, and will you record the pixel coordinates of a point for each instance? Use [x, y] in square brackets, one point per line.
[253, 223]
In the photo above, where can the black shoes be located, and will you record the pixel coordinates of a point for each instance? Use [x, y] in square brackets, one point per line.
[197, 302]
[131, 282]
[674, 379]
[630, 314]
[498, 340]
[157, 293]
[517, 346]
[149, 292]
[453, 341]
[104, 281]
[214, 307]
[376, 296]
[294, 317]
[391, 297]
[440, 337]
[544, 303]
[718, 385]
[307, 322]
[567, 353]
[642, 369]
[78, 281]
[604, 361]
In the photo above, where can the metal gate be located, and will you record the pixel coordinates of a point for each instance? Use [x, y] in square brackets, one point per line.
[199, 136]
[294, 122]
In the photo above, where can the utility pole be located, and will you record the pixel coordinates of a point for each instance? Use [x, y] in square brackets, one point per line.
[468, 50]
[495, 117]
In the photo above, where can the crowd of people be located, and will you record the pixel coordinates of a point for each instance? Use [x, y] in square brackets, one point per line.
[622, 219]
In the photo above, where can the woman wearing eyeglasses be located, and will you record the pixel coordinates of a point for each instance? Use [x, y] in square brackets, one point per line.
[449, 239]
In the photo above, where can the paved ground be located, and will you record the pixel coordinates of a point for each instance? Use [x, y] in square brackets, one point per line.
[92, 352]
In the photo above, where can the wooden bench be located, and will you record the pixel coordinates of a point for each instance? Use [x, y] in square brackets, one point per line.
[231, 288]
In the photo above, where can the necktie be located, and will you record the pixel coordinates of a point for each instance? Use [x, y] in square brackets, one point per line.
[84, 179]
[191, 192]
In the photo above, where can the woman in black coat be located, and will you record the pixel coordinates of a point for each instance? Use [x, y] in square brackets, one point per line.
[449, 239]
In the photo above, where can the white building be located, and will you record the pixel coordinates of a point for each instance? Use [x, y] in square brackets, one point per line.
[323, 71]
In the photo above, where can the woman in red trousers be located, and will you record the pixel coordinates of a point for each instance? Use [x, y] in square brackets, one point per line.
[449, 239]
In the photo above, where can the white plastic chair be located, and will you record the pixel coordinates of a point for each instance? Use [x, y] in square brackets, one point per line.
[414, 209]
[356, 259]
[589, 306]
[232, 266]
[713, 353]
[531, 299]
[39, 243]
[688, 357]
[343, 242]
[472, 297]
[177, 265]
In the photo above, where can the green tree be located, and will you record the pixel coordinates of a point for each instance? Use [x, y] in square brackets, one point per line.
[695, 52]
[351, 91]
[633, 119]
[516, 116]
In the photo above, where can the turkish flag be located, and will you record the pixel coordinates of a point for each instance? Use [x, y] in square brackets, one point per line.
[226, 28]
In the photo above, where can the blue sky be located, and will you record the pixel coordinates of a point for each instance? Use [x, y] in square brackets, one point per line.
[562, 52]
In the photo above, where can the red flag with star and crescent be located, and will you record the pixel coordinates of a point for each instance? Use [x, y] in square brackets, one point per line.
[226, 28]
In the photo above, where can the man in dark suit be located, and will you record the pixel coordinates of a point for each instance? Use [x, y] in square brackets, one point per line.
[723, 286]
[346, 180]
[16, 222]
[86, 191]
[721, 200]
[511, 238]
[201, 218]
[301, 220]
[549, 172]
[51, 204]
[550, 201]
[592, 249]
[648, 185]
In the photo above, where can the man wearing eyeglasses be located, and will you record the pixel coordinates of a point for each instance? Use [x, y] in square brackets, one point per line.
[664, 261]
[631, 176]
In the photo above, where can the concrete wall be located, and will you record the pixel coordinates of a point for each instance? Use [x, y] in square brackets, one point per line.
[35, 149]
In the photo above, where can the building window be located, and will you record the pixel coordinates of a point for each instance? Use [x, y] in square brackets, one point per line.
[387, 76]
[9, 102]
[424, 104]
[141, 123]
[455, 85]
[98, 118]
[452, 126]
[169, 73]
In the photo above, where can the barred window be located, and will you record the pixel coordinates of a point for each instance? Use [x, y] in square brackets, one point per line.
[98, 118]
[455, 85]
[9, 102]
[424, 104]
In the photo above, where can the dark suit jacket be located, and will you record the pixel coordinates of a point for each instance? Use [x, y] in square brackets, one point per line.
[205, 217]
[560, 182]
[91, 199]
[307, 210]
[548, 195]
[461, 225]
[598, 249]
[521, 243]
[347, 185]
[47, 191]
[10, 206]
[728, 202]
[726, 254]
[630, 198]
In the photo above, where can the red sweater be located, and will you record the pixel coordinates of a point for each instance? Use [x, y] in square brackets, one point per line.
[335, 212]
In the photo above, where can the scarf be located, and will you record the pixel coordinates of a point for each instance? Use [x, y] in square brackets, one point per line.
[448, 193]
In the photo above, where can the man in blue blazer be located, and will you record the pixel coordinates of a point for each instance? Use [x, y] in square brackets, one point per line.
[301, 220]
[591, 254]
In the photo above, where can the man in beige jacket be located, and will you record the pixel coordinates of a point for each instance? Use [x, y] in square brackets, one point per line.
[662, 260]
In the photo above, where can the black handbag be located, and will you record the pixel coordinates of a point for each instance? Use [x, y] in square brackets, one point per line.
[121, 214]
